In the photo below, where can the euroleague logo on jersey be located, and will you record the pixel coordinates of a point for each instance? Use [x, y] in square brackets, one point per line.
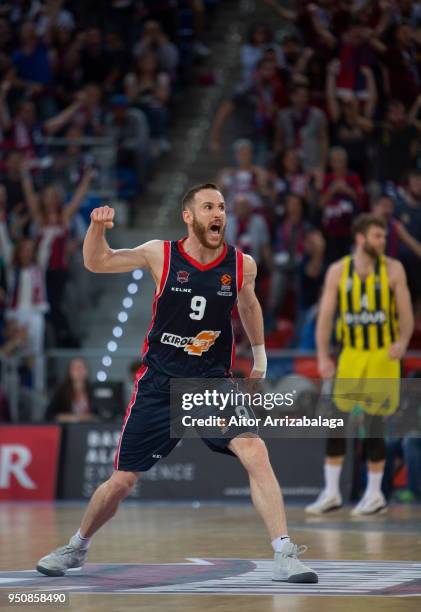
[196, 345]
[183, 276]
[225, 281]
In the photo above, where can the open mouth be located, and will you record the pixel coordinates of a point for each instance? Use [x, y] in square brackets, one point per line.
[215, 229]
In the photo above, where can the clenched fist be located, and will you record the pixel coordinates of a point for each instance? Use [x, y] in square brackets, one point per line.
[103, 215]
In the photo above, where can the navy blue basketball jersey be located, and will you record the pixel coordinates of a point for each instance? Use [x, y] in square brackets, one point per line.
[191, 335]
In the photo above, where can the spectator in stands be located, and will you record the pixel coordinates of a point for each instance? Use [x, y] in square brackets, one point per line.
[130, 130]
[244, 178]
[395, 144]
[149, 90]
[5, 37]
[11, 180]
[260, 38]
[52, 16]
[350, 127]
[34, 67]
[120, 57]
[403, 65]
[288, 177]
[249, 231]
[254, 109]
[304, 128]
[90, 115]
[27, 304]
[52, 224]
[288, 251]
[26, 130]
[154, 40]
[310, 282]
[72, 400]
[342, 198]
[397, 234]
[408, 211]
[95, 60]
[355, 57]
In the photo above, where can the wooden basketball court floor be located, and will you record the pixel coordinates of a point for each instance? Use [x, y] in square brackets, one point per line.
[215, 557]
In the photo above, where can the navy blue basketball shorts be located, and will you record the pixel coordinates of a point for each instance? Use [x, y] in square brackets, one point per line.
[145, 436]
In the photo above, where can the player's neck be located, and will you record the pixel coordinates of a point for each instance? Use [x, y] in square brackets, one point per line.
[193, 247]
[364, 263]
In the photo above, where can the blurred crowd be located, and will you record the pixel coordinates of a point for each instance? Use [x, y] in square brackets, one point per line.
[83, 73]
[324, 124]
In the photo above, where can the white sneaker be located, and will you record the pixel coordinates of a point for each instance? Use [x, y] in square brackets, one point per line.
[326, 502]
[288, 568]
[66, 557]
[373, 504]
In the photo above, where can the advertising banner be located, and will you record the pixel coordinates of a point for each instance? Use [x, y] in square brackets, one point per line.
[190, 472]
[29, 458]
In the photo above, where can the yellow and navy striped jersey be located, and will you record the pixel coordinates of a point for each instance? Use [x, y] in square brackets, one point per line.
[366, 308]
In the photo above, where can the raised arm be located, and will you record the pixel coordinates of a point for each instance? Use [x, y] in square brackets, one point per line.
[324, 325]
[5, 121]
[399, 286]
[98, 256]
[31, 198]
[332, 101]
[409, 240]
[53, 125]
[370, 105]
[222, 114]
[252, 318]
[288, 14]
[78, 196]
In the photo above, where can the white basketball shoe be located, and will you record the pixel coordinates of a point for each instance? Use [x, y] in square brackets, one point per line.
[370, 504]
[326, 502]
[288, 568]
[66, 557]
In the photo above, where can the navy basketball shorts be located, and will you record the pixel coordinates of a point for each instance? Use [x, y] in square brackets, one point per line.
[145, 436]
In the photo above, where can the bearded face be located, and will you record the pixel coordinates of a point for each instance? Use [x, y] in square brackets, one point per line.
[209, 235]
[375, 242]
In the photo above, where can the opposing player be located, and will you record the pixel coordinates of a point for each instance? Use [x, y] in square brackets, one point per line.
[198, 281]
[375, 322]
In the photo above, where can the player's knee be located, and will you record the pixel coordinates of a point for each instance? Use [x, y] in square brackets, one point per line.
[122, 483]
[251, 451]
[335, 447]
[376, 449]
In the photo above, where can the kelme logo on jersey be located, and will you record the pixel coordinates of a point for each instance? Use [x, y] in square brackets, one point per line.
[196, 345]
[182, 276]
[226, 281]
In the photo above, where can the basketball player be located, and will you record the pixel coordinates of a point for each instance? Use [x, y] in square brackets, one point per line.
[375, 322]
[198, 281]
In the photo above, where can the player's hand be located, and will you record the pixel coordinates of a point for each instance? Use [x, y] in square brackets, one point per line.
[397, 350]
[103, 215]
[256, 374]
[326, 367]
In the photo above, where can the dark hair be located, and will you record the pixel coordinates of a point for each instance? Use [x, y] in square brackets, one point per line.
[61, 400]
[414, 172]
[190, 194]
[394, 102]
[297, 87]
[259, 26]
[362, 223]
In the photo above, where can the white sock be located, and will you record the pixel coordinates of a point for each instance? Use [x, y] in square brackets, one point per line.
[278, 543]
[84, 542]
[332, 475]
[374, 484]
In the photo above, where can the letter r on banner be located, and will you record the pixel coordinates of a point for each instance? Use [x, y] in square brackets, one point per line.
[14, 458]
